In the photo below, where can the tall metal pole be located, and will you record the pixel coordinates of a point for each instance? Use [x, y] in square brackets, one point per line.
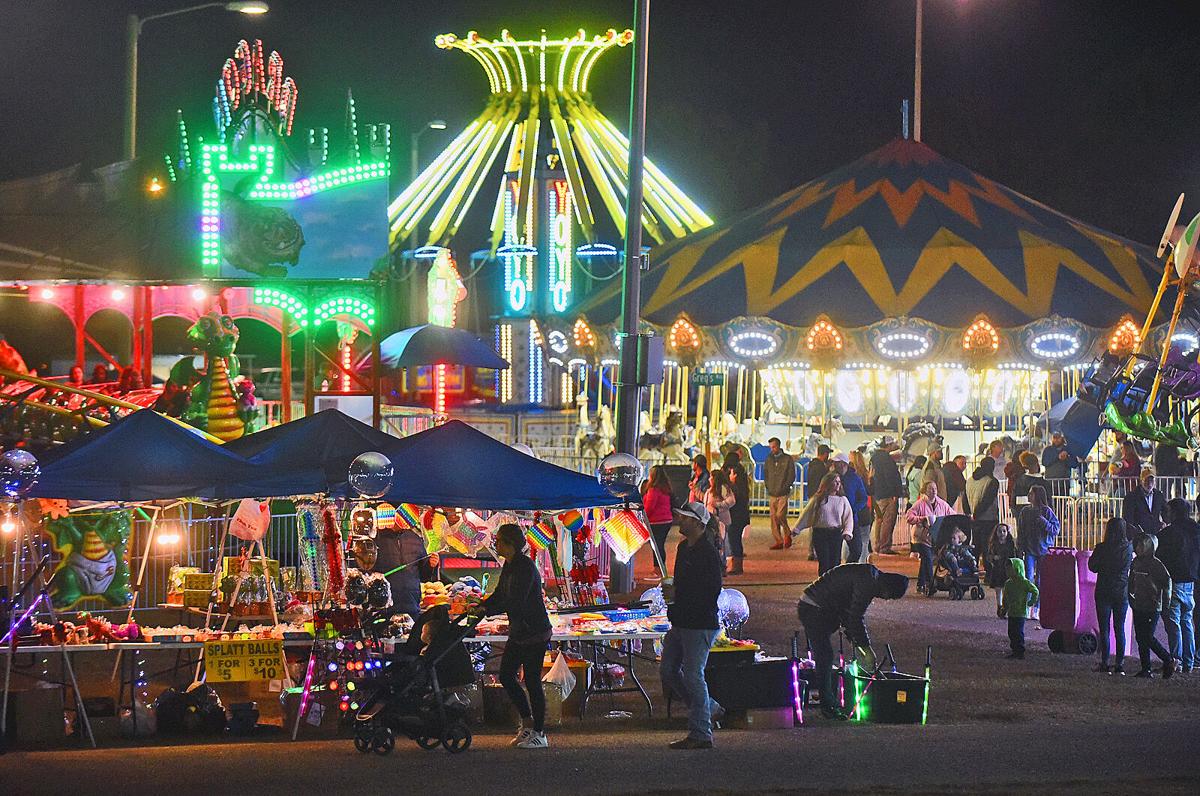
[917, 73]
[629, 404]
[133, 27]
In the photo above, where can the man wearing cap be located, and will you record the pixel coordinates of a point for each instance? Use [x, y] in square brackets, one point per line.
[1059, 463]
[933, 470]
[886, 488]
[693, 615]
[839, 599]
[816, 470]
[779, 473]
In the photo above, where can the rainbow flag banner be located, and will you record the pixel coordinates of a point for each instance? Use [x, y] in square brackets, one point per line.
[409, 516]
[572, 520]
[625, 533]
[385, 517]
[542, 535]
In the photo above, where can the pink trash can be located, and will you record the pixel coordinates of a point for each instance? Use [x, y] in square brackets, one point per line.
[1068, 602]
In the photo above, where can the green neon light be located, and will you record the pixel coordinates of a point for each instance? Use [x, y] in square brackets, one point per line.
[273, 297]
[215, 159]
[345, 305]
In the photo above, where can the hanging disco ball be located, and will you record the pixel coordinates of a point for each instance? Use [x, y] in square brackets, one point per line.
[19, 471]
[732, 609]
[371, 474]
[620, 474]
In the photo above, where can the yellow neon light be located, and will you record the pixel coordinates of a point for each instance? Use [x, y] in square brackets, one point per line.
[566, 54]
[507, 38]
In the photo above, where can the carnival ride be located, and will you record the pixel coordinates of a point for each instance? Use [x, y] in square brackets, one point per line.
[1153, 396]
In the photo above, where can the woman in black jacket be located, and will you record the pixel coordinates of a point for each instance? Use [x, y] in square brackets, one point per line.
[739, 513]
[1110, 561]
[519, 594]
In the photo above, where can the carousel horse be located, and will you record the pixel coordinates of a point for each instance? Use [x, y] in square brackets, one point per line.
[672, 444]
[595, 440]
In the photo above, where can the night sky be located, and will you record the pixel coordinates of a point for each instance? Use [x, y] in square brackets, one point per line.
[1089, 107]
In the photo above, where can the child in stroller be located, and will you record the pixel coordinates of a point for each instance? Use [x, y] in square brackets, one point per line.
[956, 570]
[423, 696]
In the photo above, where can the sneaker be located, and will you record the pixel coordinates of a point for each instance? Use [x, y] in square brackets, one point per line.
[1145, 674]
[535, 740]
[522, 734]
[1118, 671]
[1168, 668]
[1102, 667]
[1185, 669]
[691, 743]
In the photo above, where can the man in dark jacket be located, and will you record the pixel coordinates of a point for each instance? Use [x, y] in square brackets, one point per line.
[779, 473]
[1059, 463]
[693, 616]
[955, 473]
[1179, 550]
[816, 470]
[1143, 506]
[839, 599]
[886, 488]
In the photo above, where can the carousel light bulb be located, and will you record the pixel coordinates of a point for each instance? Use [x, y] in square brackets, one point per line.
[199, 294]
[118, 294]
[8, 525]
[47, 294]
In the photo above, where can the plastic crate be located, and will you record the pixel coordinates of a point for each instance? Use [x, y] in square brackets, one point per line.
[628, 615]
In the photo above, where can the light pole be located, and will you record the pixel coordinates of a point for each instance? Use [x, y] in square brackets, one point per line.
[917, 72]
[133, 29]
[630, 391]
[415, 163]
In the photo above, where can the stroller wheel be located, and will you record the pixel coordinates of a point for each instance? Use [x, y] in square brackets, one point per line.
[427, 743]
[956, 593]
[457, 738]
[930, 590]
[1085, 643]
[977, 593]
[1056, 642]
[383, 742]
[362, 742]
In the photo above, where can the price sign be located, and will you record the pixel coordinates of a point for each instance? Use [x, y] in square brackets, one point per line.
[699, 378]
[233, 661]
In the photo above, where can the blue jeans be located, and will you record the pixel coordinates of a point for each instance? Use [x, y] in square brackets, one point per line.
[1111, 607]
[685, 652]
[1181, 636]
[1031, 572]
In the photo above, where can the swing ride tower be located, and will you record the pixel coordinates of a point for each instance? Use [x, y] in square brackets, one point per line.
[559, 211]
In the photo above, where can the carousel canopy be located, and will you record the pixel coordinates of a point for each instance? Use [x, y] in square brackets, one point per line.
[456, 465]
[144, 456]
[900, 232]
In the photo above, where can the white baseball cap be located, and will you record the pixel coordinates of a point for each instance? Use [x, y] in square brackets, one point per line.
[696, 511]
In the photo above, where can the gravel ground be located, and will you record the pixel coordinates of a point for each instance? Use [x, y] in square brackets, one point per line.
[1047, 724]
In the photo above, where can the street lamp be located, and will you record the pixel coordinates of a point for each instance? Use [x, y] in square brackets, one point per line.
[133, 29]
[415, 164]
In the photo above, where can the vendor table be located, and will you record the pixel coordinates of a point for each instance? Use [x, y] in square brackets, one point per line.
[56, 650]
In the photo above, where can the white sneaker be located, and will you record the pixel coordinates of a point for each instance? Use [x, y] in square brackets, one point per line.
[535, 740]
[522, 734]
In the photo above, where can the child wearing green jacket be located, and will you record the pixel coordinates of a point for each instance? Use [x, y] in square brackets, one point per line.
[1018, 594]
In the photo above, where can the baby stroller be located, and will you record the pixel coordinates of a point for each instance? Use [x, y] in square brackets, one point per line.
[420, 699]
[965, 582]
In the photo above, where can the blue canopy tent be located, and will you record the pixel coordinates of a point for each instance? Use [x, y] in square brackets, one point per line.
[309, 455]
[144, 456]
[456, 465]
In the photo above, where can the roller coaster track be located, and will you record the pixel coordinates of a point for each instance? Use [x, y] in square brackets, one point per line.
[35, 395]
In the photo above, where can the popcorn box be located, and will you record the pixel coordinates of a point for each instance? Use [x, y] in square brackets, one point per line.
[229, 566]
[197, 580]
[195, 598]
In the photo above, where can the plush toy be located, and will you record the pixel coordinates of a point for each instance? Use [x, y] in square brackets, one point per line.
[92, 550]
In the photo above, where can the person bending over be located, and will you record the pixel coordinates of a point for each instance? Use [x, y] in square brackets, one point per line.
[839, 599]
